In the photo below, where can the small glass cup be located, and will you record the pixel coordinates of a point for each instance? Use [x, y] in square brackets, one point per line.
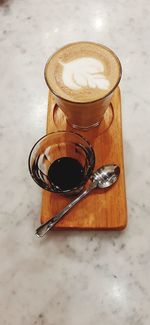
[54, 146]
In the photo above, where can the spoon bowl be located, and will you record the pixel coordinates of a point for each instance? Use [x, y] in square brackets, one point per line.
[106, 176]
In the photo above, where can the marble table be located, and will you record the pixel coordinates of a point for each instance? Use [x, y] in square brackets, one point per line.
[72, 277]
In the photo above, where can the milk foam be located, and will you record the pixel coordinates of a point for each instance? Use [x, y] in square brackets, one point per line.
[84, 72]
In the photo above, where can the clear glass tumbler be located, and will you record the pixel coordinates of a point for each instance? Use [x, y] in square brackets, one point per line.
[54, 146]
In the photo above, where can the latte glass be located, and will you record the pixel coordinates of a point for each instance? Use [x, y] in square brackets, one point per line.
[89, 112]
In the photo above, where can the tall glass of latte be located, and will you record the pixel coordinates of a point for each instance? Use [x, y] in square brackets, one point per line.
[82, 77]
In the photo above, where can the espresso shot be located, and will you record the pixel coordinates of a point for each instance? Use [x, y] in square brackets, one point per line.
[66, 173]
[62, 162]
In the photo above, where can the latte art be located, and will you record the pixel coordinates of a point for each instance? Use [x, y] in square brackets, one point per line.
[84, 72]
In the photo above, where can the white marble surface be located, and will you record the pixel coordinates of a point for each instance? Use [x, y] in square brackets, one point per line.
[71, 277]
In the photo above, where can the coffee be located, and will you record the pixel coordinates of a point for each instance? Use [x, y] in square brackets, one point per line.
[82, 77]
[65, 173]
[83, 72]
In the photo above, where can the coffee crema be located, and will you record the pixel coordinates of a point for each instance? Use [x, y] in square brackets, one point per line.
[83, 72]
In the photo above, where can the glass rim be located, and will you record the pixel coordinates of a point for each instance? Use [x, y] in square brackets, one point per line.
[79, 102]
[82, 182]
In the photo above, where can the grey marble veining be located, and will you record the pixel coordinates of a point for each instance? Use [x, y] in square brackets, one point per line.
[71, 277]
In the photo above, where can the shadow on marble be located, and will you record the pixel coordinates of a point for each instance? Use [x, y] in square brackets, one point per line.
[5, 3]
[65, 235]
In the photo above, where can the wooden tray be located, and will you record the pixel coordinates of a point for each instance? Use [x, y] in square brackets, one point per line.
[101, 209]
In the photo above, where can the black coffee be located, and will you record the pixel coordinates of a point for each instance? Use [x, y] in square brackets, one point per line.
[65, 173]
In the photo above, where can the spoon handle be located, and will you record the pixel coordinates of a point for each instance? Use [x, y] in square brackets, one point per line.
[44, 228]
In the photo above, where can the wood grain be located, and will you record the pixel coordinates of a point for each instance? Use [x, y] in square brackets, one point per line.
[101, 209]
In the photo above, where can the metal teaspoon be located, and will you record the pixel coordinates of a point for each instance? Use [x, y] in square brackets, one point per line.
[103, 177]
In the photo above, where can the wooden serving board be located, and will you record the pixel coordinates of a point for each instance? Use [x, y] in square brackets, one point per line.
[102, 209]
